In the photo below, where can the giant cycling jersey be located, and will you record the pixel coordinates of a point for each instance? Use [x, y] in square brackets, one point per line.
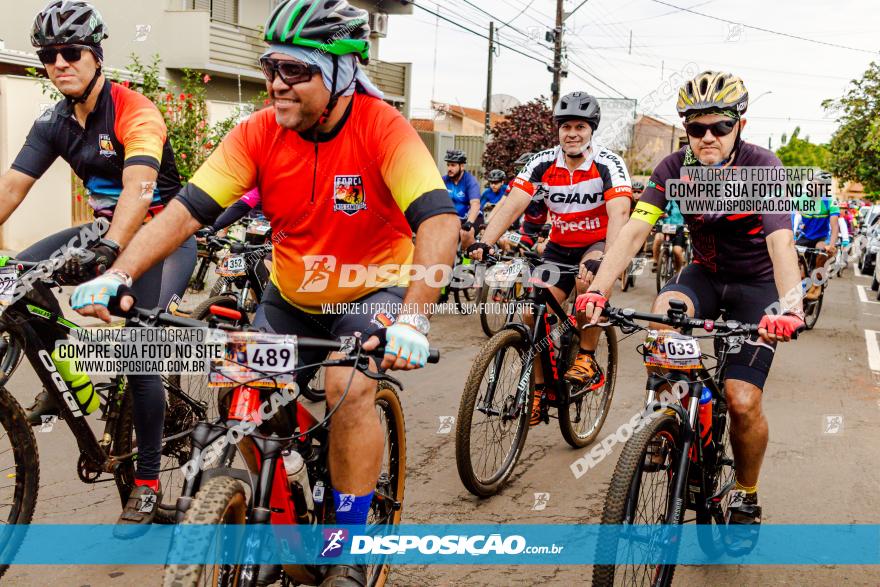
[341, 207]
[817, 225]
[463, 192]
[732, 244]
[576, 199]
[124, 129]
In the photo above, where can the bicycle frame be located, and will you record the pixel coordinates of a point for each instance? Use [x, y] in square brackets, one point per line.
[37, 329]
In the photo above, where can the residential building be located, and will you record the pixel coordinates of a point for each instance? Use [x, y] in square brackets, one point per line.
[457, 120]
[653, 140]
[220, 37]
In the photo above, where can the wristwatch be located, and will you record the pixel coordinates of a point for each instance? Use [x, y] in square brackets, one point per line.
[417, 321]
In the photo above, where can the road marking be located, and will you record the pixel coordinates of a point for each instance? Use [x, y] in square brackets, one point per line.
[863, 296]
[873, 350]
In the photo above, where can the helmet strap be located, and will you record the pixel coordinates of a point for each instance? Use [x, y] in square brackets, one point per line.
[84, 97]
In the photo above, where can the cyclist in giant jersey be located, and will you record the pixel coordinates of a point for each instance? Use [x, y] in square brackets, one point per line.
[116, 142]
[347, 180]
[587, 190]
[745, 264]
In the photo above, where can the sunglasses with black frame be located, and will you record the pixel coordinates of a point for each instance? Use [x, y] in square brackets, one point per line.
[719, 129]
[70, 53]
[290, 72]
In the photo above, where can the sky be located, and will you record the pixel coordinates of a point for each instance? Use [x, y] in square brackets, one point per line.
[787, 78]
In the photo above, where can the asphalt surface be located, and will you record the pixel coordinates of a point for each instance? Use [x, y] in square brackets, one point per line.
[810, 475]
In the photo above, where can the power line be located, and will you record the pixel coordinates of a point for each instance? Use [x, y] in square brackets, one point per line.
[601, 81]
[781, 34]
[438, 15]
[578, 7]
[520, 13]
[507, 23]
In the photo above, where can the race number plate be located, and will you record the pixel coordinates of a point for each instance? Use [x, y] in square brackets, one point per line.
[232, 266]
[504, 274]
[260, 228]
[8, 279]
[669, 228]
[672, 350]
[514, 238]
[258, 359]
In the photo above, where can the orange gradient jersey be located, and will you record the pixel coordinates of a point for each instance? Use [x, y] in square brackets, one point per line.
[343, 209]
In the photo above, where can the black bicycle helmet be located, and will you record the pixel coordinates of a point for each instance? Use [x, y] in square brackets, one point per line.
[638, 186]
[496, 175]
[331, 26]
[578, 106]
[68, 22]
[455, 156]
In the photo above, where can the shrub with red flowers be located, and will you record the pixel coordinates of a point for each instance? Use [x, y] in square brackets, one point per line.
[186, 114]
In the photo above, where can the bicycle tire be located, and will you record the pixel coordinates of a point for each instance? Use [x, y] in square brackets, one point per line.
[813, 316]
[709, 536]
[506, 339]
[221, 500]
[618, 510]
[567, 424]
[661, 263]
[508, 297]
[388, 402]
[26, 460]
[624, 279]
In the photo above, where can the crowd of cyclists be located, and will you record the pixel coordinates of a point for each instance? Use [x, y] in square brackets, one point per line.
[343, 175]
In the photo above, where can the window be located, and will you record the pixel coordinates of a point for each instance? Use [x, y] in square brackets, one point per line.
[223, 10]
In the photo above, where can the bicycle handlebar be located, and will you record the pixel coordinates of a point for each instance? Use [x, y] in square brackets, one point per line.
[154, 317]
[627, 316]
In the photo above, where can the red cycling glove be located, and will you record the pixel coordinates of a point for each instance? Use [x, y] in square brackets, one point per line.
[785, 325]
[591, 297]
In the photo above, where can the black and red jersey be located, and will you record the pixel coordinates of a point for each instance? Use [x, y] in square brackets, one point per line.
[576, 199]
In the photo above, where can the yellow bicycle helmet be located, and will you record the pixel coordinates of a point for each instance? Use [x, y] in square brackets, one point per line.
[713, 90]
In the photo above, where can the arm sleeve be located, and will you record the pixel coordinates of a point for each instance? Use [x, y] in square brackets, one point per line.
[653, 201]
[409, 171]
[38, 152]
[140, 128]
[228, 173]
[232, 214]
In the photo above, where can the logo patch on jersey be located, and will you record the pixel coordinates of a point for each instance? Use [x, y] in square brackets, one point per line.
[106, 146]
[348, 194]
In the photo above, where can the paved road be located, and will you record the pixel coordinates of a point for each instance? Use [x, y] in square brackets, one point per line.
[809, 476]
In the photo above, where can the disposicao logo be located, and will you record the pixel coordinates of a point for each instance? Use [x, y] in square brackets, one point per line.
[334, 542]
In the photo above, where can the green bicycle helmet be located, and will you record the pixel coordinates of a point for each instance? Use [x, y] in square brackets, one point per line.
[331, 26]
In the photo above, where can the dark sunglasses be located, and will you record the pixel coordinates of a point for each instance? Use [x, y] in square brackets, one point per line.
[290, 72]
[719, 129]
[70, 53]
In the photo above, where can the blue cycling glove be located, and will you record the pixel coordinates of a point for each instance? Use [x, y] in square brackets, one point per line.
[101, 291]
[406, 342]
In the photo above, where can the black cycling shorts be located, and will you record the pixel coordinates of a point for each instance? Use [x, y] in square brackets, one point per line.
[810, 243]
[554, 253]
[275, 314]
[746, 301]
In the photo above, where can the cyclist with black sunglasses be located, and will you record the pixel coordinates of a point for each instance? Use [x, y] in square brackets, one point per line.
[347, 180]
[116, 141]
[743, 264]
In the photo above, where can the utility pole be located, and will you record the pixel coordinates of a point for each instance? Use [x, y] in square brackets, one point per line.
[557, 54]
[487, 129]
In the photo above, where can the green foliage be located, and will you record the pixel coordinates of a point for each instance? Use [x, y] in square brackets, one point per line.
[855, 145]
[185, 113]
[46, 86]
[528, 128]
[802, 153]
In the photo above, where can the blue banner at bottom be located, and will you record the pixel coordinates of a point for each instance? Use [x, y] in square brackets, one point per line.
[515, 544]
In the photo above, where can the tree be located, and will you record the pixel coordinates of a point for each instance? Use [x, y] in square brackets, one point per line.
[528, 128]
[855, 145]
[798, 152]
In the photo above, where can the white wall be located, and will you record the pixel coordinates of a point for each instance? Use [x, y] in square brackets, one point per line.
[48, 207]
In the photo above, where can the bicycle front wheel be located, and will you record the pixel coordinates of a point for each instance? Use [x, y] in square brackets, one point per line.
[21, 462]
[221, 501]
[491, 428]
[581, 420]
[639, 494]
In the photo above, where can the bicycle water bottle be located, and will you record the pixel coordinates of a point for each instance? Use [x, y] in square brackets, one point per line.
[706, 416]
[78, 382]
[298, 478]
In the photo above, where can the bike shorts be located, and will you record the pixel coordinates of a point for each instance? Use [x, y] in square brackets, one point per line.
[554, 254]
[679, 239]
[810, 243]
[742, 300]
[275, 314]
